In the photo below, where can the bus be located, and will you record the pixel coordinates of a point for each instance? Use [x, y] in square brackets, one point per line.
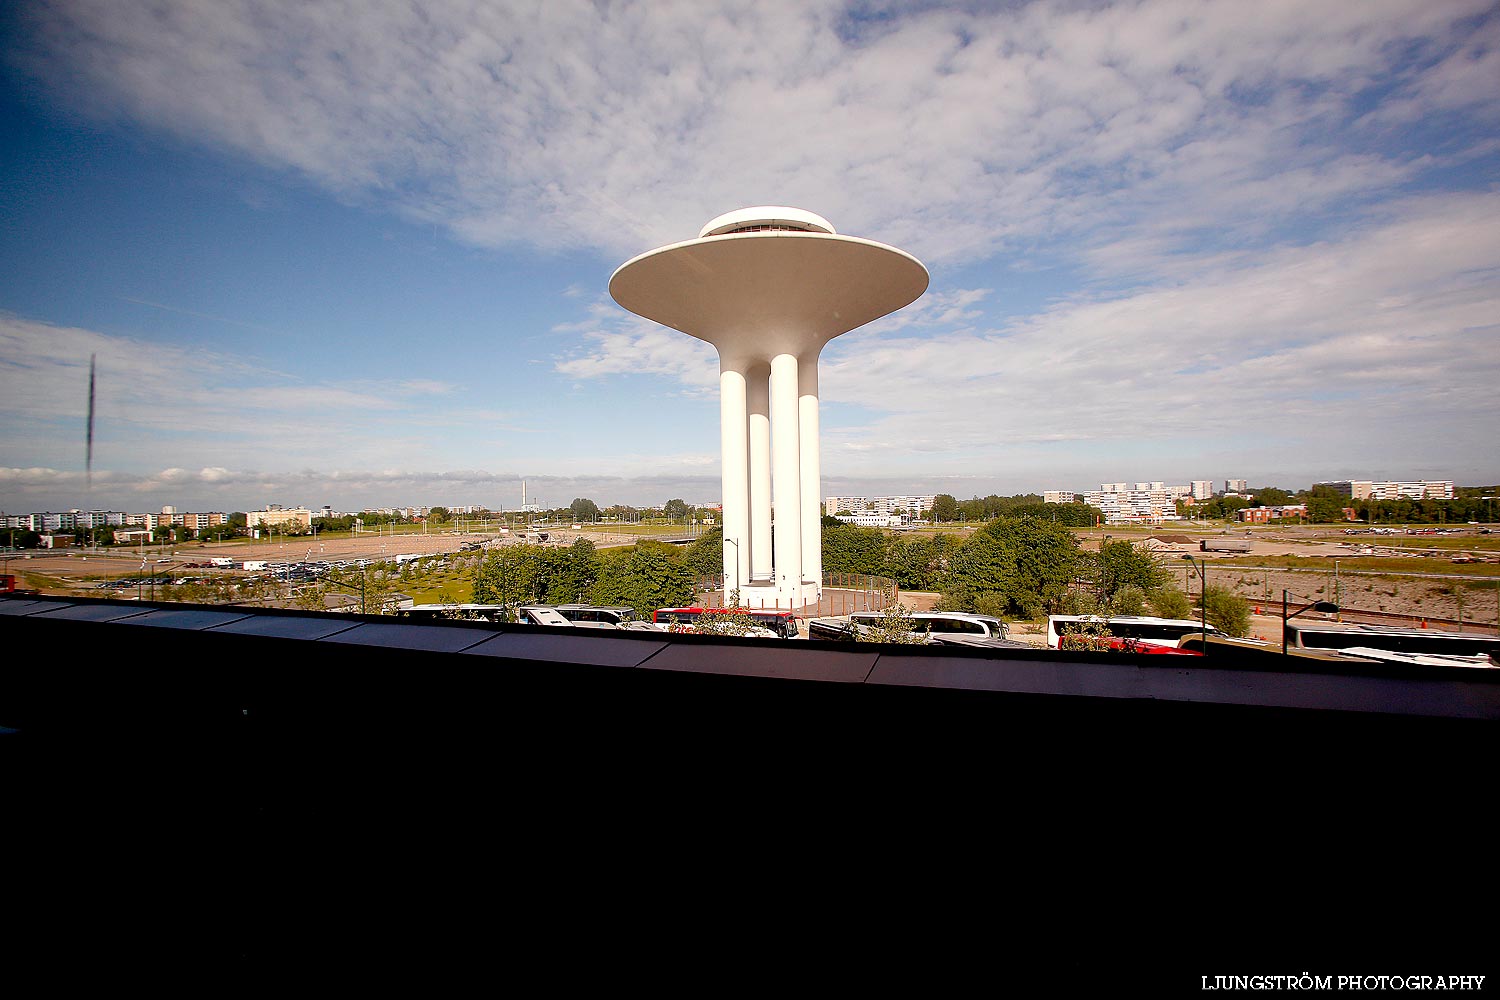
[8, 586]
[1142, 628]
[596, 614]
[781, 623]
[1347, 635]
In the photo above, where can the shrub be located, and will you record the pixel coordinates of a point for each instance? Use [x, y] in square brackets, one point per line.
[1228, 611]
[1169, 602]
[1128, 600]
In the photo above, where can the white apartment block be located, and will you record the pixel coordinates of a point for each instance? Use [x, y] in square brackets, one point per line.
[1421, 489]
[1122, 505]
[912, 506]
[274, 516]
[1201, 489]
[870, 519]
[1059, 496]
[1236, 485]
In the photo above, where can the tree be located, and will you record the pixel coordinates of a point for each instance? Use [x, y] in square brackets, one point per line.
[1121, 564]
[576, 573]
[585, 511]
[706, 555]
[1169, 602]
[1270, 496]
[849, 548]
[646, 576]
[1128, 600]
[675, 508]
[1227, 611]
[512, 575]
[1026, 561]
[439, 514]
[1325, 510]
[944, 508]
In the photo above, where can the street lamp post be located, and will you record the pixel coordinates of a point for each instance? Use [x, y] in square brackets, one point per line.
[736, 543]
[1202, 598]
[1322, 607]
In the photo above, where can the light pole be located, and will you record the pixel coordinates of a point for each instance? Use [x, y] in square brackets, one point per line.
[1322, 607]
[1202, 597]
[735, 542]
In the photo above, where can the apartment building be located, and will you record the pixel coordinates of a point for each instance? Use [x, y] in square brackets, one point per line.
[1420, 489]
[1120, 505]
[912, 506]
[276, 515]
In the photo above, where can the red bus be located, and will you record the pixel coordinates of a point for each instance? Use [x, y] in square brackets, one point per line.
[8, 586]
[783, 623]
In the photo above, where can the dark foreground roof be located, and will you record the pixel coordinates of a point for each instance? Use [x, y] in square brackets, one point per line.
[304, 771]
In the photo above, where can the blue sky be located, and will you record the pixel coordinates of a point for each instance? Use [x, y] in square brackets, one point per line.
[357, 253]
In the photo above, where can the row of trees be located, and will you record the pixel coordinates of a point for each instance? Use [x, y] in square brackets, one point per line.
[1024, 566]
[644, 576]
[1020, 565]
[946, 508]
[1326, 505]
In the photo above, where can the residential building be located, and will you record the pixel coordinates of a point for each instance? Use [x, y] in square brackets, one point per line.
[1059, 496]
[1265, 515]
[1419, 489]
[276, 515]
[913, 506]
[1201, 489]
[1236, 485]
[870, 519]
[1143, 506]
[1355, 489]
[202, 522]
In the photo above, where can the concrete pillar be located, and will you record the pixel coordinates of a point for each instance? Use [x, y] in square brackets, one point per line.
[734, 441]
[811, 485]
[787, 470]
[758, 399]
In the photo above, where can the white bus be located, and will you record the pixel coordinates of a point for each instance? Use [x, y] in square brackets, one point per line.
[1347, 635]
[1141, 628]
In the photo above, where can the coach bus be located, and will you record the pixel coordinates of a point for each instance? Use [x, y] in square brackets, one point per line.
[782, 623]
[1141, 628]
[1347, 635]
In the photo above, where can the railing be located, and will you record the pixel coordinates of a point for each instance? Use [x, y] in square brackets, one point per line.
[842, 593]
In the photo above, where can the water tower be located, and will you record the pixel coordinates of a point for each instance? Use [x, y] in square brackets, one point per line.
[768, 287]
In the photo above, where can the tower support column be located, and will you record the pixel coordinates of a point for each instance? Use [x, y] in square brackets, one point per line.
[787, 470]
[734, 442]
[758, 398]
[811, 484]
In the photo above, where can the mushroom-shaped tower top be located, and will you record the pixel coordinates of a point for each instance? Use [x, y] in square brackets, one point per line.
[767, 217]
[770, 280]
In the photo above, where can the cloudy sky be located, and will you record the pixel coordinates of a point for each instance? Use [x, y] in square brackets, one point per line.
[357, 253]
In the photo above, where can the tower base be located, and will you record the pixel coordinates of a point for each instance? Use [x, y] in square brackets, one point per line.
[766, 594]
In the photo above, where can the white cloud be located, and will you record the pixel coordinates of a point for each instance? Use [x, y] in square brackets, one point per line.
[1401, 315]
[1231, 182]
[625, 126]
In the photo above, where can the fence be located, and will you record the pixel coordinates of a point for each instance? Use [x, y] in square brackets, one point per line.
[842, 593]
